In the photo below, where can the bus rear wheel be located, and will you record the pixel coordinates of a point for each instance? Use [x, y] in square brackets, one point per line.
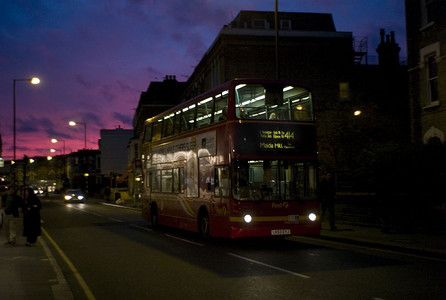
[203, 224]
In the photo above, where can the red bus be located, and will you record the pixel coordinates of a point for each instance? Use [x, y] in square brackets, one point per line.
[237, 161]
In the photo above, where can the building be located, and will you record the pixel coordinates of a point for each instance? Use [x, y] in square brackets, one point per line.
[83, 171]
[160, 95]
[426, 46]
[113, 148]
[308, 48]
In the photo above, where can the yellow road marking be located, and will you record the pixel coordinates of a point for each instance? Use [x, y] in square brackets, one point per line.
[73, 269]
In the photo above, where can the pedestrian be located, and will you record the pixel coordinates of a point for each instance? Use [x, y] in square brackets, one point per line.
[31, 217]
[11, 207]
[327, 196]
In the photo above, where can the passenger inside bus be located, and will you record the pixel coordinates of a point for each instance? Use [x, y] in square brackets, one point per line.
[242, 113]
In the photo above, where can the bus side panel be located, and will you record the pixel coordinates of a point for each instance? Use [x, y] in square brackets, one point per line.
[176, 211]
[219, 217]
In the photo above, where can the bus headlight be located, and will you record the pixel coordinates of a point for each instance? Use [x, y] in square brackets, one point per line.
[312, 217]
[247, 218]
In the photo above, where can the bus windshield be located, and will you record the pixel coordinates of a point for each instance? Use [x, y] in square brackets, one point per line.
[273, 102]
[273, 180]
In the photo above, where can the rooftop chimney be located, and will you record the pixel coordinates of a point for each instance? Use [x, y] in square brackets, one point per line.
[170, 78]
[388, 50]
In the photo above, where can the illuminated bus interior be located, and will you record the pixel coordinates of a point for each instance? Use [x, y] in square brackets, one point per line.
[263, 102]
[273, 180]
[252, 101]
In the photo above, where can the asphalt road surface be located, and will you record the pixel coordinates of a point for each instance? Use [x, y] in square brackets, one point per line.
[106, 252]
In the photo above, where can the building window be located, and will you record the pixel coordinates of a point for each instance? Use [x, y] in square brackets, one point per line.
[285, 24]
[432, 79]
[259, 24]
[427, 12]
[429, 73]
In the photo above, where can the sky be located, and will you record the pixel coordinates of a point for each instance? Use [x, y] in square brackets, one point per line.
[94, 58]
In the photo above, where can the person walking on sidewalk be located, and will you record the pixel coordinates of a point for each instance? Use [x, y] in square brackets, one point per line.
[327, 195]
[11, 207]
[31, 217]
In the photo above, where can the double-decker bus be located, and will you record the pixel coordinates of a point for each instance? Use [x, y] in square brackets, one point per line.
[237, 161]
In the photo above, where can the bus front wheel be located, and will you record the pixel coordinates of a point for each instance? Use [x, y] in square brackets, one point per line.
[203, 224]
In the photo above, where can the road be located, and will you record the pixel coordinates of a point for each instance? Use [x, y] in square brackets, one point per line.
[106, 252]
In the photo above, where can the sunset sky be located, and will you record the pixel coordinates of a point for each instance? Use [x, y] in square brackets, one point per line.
[94, 58]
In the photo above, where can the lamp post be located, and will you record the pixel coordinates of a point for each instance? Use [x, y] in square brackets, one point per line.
[73, 123]
[54, 141]
[33, 80]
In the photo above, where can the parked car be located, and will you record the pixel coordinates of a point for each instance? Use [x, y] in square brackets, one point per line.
[74, 195]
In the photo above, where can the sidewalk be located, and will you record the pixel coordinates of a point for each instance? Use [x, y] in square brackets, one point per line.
[25, 272]
[30, 273]
[425, 244]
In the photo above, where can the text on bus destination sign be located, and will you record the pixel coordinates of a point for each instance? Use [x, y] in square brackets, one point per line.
[276, 139]
[277, 134]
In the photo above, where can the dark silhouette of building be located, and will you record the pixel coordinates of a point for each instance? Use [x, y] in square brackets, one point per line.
[426, 46]
[83, 171]
[332, 62]
[160, 95]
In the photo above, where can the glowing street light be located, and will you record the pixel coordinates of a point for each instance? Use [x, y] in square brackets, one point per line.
[54, 141]
[33, 80]
[73, 123]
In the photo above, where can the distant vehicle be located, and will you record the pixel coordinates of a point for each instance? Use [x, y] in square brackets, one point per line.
[38, 191]
[74, 195]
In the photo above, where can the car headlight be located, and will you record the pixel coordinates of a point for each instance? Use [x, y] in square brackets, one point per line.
[67, 197]
[80, 197]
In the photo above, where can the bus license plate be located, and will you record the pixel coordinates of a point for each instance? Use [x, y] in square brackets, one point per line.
[280, 231]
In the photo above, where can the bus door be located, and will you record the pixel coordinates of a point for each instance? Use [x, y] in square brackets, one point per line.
[220, 198]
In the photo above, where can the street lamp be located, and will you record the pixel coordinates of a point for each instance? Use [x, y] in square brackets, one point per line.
[54, 150]
[73, 123]
[33, 80]
[54, 141]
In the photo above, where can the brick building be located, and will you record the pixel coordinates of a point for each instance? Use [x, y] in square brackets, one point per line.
[426, 46]
[311, 50]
